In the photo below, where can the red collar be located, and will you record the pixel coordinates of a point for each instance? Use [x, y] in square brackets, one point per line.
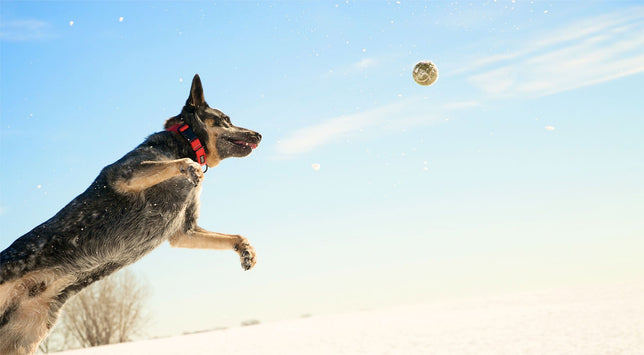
[187, 133]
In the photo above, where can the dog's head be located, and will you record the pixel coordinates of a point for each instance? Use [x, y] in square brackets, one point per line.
[221, 138]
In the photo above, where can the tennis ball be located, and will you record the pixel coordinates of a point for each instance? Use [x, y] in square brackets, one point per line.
[425, 73]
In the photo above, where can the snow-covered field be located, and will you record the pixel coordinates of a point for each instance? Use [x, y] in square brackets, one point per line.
[581, 320]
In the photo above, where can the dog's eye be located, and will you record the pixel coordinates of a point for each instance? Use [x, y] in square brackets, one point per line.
[227, 119]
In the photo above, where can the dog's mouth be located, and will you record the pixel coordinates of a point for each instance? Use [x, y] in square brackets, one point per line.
[238, 145]
[244, 144]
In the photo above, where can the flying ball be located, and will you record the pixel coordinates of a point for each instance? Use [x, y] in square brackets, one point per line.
[425, 73]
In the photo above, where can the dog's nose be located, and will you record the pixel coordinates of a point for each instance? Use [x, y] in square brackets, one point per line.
[259, 136]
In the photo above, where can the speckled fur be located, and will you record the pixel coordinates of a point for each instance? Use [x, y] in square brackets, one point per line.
[129, 210]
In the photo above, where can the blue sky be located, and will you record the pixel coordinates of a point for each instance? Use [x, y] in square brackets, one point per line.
[521, 167]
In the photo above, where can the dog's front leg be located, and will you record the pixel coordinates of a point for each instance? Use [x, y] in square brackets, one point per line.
[203, 239]
[150, 173]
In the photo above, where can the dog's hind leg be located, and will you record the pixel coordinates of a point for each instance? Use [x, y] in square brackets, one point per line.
[29, 309]
[203, 239]
[150, 173]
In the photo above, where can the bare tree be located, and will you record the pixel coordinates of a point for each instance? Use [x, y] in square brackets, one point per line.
[109, 311]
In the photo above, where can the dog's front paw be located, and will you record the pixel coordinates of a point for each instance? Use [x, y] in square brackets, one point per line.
[192, 171]
[246, 253]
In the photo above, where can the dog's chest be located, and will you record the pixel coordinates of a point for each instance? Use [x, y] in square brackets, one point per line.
[175, 203]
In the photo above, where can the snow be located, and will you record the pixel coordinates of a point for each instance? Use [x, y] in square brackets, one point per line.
[581, 320]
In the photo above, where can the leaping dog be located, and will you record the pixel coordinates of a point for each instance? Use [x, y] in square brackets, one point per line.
[147, 197]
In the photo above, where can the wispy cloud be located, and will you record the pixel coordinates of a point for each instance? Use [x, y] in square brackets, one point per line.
[365, 63]
[388, 118]
[458, 105]
[25, 30]
[358, 67]
[306, 139]
[586, 52]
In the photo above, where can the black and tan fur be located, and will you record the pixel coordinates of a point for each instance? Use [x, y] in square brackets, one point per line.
[147, 197]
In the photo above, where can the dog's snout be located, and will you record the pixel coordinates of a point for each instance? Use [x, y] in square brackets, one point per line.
[258, 136]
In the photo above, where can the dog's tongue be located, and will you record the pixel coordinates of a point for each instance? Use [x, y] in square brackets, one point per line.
[251, 145]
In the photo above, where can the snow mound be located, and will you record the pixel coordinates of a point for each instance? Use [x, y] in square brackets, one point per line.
[583, 320]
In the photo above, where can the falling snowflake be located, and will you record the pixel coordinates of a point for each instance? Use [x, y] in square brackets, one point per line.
[315, 166]
[71, 23]
[550, 128]
[121, 19]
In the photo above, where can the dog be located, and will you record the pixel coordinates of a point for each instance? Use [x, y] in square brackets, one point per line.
[147, 197]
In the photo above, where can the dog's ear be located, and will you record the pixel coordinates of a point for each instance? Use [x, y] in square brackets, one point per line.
[196, 98]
